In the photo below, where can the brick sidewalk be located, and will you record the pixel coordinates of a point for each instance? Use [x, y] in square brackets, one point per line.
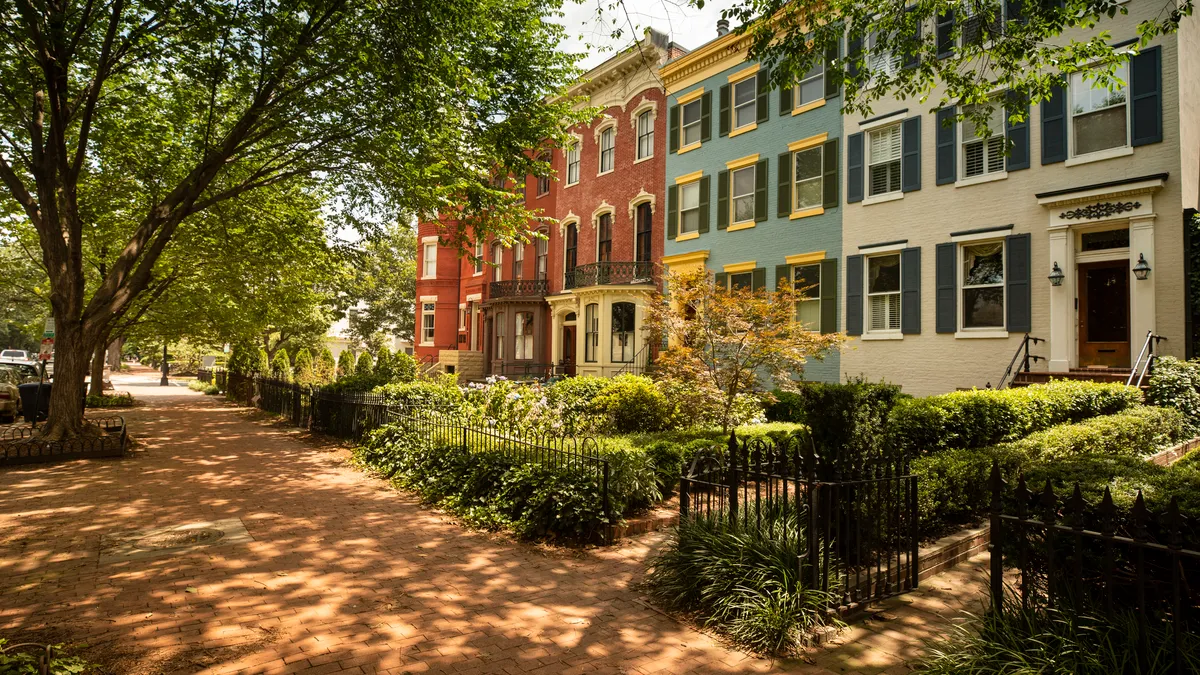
[344, 574]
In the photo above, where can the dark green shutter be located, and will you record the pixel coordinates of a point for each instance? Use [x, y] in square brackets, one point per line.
[829, 295]
[704, 188]
[760, 191]
[945, 299]
[832, 85]
[1054, 126]
[706, 117]
[764, 95]
[785, 100]
[784, 186]
[1145, 91]
[758, 279]
[853, 54]
[722, 200]
[829, 177]
[910, 290]
[673, 140]
[910, 154]
[1018, 135]
[946, 154]
[854, 168]
[854, 295]
[723, 116]
[782, 273]
[945, 34]
[672, 211]
[1017, 276]
[722, 281]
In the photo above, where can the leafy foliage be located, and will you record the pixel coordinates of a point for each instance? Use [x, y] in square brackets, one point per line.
[632, 403]
[118, 400]
[384, 366]
[304, 368]
[281, 367]
[846, 420]
[363, 366]
[26, 662]
[1176, 384]
[405, 367]
[325, 369]
[345, 364]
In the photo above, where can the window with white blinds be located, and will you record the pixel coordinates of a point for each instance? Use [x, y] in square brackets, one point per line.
[981, 155]
[883, 293]
[883, 160]
[881, 62]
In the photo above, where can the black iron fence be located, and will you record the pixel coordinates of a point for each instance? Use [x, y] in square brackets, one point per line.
[855, 531]
[215, 375]
[1096, 559]
[343, 414]
[20, 445]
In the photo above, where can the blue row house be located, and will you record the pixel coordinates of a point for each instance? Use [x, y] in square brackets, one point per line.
[753, 180]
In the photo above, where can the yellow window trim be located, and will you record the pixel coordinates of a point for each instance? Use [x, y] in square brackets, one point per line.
[808, 106]
[806, 143]
[684, 258]
[688, 148]
[744, 225]
[689, 177]
[741, 130]
[741, 162]
[806, 213]
[687, 236]
[743, 74]
[692, 95]
[735, 268]
[805, 258]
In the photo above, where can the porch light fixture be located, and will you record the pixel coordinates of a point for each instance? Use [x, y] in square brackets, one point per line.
[1142, 269]
[1056, 275]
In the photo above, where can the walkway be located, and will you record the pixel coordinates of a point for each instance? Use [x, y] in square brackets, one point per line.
[343, 574]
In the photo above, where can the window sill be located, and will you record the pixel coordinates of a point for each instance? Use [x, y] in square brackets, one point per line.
[806, 213]
[742, 130]
[639, 161]
[477, 274]
[1111, 153]
[570, 185]
[688, 148]
[746, 225]
[687, 236]
[985, 178]
[882, 336]
[425, 344]
[813, 105]
[604, 173]
[885, 197]
[984, 334]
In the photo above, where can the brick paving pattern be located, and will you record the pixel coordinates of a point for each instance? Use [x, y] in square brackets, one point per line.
[345, 574]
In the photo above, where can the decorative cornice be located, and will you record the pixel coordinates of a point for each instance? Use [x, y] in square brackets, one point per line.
[604, 208]
[642, 197]
[726, 46]
[1099, 210]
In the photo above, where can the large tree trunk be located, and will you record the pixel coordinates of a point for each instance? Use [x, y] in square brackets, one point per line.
[71, 355]
[96, 388]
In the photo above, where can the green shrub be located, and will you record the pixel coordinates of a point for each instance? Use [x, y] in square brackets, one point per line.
[363, 366]
[281, 367]
[631, 403]
[572, 398]
[25, 662]
[743, 582]
[1138, 432]
[345, 364]
[848, 420]
[981, 417]
[263, 365]
[405, 367]
[1176, 384]
[117, 400]
[633, 480]
[205, 388]
[325, 368]
[441, 392]
[305, 374]
[385, 367]
[243, 359]
[667, 459]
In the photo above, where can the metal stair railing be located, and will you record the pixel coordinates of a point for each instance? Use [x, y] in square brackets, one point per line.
[1141, 369]
[1023, 348]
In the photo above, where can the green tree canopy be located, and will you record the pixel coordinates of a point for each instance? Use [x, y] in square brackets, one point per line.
[382, 284]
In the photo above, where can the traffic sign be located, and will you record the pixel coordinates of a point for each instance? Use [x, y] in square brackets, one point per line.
[48, 331]
[47, 349]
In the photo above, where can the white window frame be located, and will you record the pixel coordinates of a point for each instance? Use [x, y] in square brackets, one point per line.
[1073, 88]
[607, 142]
[645, 132]
[542, 258]
[522, 341]
[497, 261]
[572, 155]
[807, 297]
[820, 179]
[478, 258]
[684, 127]
[734, 197]
[808, 78]
[752, 104]
[463, 313]
[591, 332]
[993, 145]
[625, 340]
[683, 187]
[427, 261]
[898, 160]
[428, 332]
[498, 329]
[600, 230]
[518, 261]
[879, 62]
[961, 287]
[867, 294]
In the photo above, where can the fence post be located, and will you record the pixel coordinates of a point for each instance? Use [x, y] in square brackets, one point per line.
[996, 539]
[732, 462]
[295, 405]
[683, 494]
[608, 516]
[464, 438]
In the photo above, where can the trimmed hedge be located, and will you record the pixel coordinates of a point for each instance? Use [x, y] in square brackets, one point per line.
[983, 417]
[1176, 384]
[846, 419]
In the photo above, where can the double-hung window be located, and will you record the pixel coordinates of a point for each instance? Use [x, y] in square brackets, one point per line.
[608, 149]
[543, 182]
[573, 163]
[591, 336]
[689, 207]
[463, 313]
[523, 340]
[812, 85]
[981, 156]
[880, 61]
[883, 293]
[570, 254]
[645, 135]
[479, 257]
[604, 238]
[806, 284]
[543, 257]
[497, 260]
[499, 355]
[982, 284]
[741, 281]
[743, 194]
[518, 261]
[690, 130]
[642, 246]
[429, 261]
[809, 184]
[621, 350]
[745, 102]
[427, 317]
[883, 160]
[1099, 117]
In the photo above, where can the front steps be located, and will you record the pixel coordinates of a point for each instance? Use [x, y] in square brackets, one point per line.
[1120, 375]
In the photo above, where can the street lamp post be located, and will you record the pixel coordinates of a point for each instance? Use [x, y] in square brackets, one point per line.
[165, 369]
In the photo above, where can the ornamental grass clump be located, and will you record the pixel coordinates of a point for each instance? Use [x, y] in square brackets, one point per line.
[741, 581]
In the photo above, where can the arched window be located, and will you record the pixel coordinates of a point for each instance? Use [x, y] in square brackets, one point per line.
[623, 314]
[569, 257]
[645, 232]
[604, 242]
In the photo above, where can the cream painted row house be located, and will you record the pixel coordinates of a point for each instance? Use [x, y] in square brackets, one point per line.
[955, 251]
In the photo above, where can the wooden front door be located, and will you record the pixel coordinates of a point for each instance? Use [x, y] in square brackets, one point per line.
[1104, 314]
[568, 350]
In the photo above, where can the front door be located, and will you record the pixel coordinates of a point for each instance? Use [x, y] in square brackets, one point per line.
[568, 350]
[1104, 314]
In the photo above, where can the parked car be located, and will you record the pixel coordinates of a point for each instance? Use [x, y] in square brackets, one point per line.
[10, 396]
[24, 372]
[17, 356]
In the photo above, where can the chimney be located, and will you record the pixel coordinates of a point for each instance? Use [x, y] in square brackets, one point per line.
[722, 27]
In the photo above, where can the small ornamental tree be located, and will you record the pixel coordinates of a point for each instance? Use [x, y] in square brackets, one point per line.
[325, 367]
[363, 367]
[263, 366]
[345, 364]
[726, 341]
[385, 366]
[281, 368]
[242, 359]
[304, 368]
[405, 367]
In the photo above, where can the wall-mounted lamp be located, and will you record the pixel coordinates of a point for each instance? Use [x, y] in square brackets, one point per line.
[1142, 269]
[1056, 275]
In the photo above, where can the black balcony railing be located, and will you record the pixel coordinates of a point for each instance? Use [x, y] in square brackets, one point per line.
[518, 288]
[600, 273]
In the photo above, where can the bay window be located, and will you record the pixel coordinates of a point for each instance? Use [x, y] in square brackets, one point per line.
[591, 334]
